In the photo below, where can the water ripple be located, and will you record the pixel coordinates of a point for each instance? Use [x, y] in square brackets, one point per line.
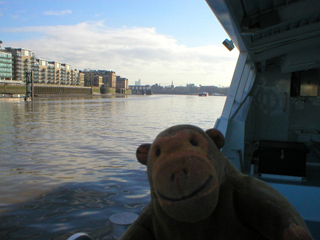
[66, 160]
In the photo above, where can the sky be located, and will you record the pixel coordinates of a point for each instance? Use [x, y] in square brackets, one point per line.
[156, 41]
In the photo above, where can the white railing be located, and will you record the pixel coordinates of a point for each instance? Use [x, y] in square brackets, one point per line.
[11, 81]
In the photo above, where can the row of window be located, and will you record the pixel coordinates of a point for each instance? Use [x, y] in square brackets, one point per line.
[4, 60]
[6, 70]
[5, 75]
[6, 55]
[4, 65]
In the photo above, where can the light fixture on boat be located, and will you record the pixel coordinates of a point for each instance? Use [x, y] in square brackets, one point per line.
[228, 44]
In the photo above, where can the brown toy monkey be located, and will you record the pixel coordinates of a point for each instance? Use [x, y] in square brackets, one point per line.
[197, 193]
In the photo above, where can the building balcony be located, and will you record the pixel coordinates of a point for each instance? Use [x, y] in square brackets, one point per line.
[3, 60]
[5, 75]
[5, 69]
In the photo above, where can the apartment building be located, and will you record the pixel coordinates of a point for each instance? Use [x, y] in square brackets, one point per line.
[43, 72]
[122, 84]
[75, 77]
[50, 73]
[56, 72]
[40, 71]
[6, 64]
[110, 79]
[89, 78]
[99, 77]
[23, 62]
[141, 89]
[81, 78]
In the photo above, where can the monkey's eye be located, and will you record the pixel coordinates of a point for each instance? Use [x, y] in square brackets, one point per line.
[194, 142]
[158, 152]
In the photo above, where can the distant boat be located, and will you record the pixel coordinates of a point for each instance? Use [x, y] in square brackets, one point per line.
[203, 94]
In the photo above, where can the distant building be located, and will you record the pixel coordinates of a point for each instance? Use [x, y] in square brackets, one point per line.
[81, 78]
[192, 89]
[89, 78]
[65, 74]
[23, 62]
[43, 71]
[40, 74]
[214, 90]
[141, 90]
[98, 81]
[57, 76]
[6, 64]
[50, 73]
[156, 88]
[108, 78]
[122, 84]
[181, 90]
[75, 77]
[137, 83]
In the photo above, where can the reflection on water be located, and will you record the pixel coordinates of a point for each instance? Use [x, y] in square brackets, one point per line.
[76, 207]
[65, 161]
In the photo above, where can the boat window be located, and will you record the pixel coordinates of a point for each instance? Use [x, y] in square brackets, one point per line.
[305, 83]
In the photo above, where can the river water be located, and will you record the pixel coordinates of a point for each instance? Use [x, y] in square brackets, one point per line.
[68, 163]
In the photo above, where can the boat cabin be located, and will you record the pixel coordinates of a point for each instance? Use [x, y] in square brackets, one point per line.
[271, 118]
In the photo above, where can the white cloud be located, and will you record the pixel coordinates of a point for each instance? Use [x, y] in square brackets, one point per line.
[58, 13]
[134, 53]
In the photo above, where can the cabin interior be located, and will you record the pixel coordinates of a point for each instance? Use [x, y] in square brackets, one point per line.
[285, 108]
[271, 119]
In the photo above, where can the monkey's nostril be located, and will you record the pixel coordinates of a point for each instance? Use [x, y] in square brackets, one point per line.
[185, 171]
[172, 177]
[158, 152]
[194, 142]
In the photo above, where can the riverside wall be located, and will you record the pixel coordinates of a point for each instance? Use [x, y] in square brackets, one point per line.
[47, 89]
[63, 90]
[20, 89]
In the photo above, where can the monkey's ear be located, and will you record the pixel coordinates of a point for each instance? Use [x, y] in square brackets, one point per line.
[216, 136]
[142, 153]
